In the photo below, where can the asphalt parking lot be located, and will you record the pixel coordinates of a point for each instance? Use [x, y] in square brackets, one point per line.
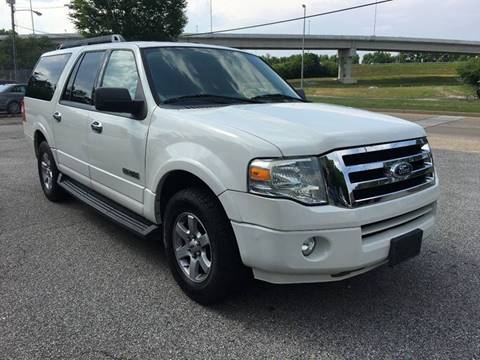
[75, 286]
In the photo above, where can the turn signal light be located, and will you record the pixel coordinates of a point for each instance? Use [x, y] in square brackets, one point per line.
[259, 174]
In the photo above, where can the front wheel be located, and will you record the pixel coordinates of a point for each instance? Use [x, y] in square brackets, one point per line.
[201, 246]
[48, 173]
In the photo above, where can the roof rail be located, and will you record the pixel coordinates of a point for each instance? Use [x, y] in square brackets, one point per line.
[90, 41]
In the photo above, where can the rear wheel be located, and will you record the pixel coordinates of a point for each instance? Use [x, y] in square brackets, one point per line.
[13, 108]
[201, 246]
[48, 173]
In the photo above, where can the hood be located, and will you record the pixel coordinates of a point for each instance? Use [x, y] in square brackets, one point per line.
[299, 129]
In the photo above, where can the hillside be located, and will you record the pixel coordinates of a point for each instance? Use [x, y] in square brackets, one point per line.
[404, 87]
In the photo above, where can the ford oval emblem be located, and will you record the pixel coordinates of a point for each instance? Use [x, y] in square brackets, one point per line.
[401, 170]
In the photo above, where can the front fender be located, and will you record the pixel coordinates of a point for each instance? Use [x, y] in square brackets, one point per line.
[201, 162]
[157, 178]
[216, 154]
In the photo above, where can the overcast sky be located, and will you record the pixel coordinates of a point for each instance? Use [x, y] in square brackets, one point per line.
[450, 19]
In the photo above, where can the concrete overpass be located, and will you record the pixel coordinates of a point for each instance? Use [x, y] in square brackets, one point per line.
[346, 45]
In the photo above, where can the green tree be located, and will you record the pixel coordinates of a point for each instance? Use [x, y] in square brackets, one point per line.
[356, 59]
[378, 57]
[289, 67]
[469, 71]
[135, 20]
[28, 51]
[426, 57]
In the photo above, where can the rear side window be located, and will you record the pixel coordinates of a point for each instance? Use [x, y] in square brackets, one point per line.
[84, 80]
[19, 89]
[44, 79]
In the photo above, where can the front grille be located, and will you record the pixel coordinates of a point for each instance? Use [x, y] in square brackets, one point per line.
[376, 173]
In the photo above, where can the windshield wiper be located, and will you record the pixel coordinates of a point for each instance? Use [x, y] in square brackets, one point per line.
[276, 97]
[219, 99]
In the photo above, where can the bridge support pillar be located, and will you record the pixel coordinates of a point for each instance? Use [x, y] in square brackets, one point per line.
[345, 62]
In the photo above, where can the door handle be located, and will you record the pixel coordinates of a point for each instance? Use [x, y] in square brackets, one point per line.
[96, 126]
[57, 116]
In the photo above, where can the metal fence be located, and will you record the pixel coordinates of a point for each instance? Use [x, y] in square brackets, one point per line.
[21, 76]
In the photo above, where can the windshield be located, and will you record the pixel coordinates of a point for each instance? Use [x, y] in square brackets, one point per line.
[206, 75]
[4, 87]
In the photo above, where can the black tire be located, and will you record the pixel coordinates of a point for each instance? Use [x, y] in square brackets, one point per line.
[51, 189]
[227, 273]
[13, 107]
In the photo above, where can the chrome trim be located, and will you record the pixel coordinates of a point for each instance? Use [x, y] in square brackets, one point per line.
[387, 146]
[380, 164]
[397, 194]
[340, 190]
[391, 180]
[57, 116]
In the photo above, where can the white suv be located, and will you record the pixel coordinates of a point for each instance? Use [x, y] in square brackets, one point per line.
[240, 173]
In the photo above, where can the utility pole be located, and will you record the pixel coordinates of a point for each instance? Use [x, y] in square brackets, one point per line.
[303, 44]
[14, 49]
[31, 16]
[211, 16]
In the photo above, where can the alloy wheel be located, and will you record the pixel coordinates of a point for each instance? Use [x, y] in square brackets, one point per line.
[46, 171]
[191, 246]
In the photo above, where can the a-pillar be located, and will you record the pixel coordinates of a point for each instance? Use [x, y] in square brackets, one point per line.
[345, 62]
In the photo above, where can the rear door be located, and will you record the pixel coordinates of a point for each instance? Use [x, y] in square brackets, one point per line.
[117, 153]
[72, 116]
[42, 93]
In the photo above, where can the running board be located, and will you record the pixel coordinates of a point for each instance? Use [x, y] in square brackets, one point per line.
[115, 212]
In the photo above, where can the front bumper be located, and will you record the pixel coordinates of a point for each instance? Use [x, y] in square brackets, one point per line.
[270, 233]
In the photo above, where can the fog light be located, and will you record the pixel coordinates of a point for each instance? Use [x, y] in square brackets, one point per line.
[308, 246]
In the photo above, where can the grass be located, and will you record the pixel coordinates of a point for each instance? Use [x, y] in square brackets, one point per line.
[406, 105]
[404, 87]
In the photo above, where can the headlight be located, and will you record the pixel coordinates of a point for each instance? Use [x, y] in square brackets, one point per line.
[297, 179]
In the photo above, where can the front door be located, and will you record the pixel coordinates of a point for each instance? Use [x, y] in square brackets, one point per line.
[72, 115]
[117, 148]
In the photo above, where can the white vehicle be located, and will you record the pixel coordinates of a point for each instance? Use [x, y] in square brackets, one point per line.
[240, 173]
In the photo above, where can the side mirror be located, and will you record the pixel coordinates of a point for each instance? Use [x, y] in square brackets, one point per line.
[301, 93]
[117, 100]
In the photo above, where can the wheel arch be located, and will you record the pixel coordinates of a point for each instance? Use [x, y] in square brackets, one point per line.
[174, 181]
[43, 131]
[38, 138]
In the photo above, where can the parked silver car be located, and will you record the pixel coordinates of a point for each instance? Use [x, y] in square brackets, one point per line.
[11, 95]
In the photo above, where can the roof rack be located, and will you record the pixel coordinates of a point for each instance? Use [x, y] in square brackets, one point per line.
[90, 41]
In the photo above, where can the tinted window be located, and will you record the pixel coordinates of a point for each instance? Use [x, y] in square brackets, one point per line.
[183, 71]
[19, 89]
[121, 71]
[67, 93]
[85, 78]
[43, 81]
